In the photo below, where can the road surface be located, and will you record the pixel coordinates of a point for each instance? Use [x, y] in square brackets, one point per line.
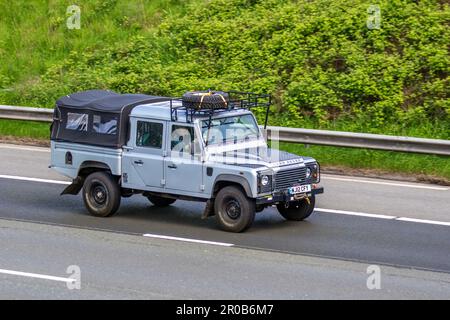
[144, 252]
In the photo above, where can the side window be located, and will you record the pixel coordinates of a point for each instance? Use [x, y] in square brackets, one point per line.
[77, 121]
[182, 140]
[105, 125]
[149, 134]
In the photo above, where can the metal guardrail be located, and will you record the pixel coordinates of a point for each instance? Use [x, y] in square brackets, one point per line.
[293, 135]
[360, 140]
[26, 113]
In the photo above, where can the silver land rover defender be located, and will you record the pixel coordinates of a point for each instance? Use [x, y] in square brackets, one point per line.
[205, 146]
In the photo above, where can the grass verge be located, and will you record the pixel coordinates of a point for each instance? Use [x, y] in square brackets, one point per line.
[26, 129]
[384, 163]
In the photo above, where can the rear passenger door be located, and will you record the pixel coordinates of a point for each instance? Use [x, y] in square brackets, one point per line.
[143, 156]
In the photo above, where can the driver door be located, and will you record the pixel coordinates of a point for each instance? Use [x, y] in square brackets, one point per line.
[183, 165]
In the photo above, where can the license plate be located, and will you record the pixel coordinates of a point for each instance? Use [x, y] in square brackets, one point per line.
[300, 189]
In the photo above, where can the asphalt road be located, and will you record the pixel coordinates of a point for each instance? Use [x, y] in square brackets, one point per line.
[402, 227]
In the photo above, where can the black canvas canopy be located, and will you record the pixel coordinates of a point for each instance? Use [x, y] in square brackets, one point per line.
[96, 117]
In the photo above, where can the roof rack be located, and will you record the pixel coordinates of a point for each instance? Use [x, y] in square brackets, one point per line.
[237, 100]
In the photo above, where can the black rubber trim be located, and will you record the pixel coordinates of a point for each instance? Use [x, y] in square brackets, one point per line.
[235, 179]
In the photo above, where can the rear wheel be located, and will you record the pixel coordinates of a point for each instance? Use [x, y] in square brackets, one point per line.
[101, 194]
[234, 211]
[297, 210]
[160, 201]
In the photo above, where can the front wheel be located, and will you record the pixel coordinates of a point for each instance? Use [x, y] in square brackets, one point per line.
[297, 210]
[234, 211]
[101, 194]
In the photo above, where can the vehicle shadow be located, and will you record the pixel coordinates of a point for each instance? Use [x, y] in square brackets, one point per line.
[186, 213]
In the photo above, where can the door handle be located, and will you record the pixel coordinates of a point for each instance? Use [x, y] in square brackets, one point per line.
[172, 166]
[139, 162]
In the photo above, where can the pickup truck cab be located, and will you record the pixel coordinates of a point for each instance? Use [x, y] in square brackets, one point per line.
[204, 147]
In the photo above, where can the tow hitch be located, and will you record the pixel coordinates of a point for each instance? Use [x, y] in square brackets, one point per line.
[298, 197]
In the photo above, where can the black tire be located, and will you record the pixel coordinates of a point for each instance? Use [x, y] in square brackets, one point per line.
[234, 211]
[101, 194]
[297, 210]
[160, 201]
[206, 99]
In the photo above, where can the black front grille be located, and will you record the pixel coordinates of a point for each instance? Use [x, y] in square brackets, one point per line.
[289, 177]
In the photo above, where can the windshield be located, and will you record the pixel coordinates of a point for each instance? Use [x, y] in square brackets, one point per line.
[230, 129]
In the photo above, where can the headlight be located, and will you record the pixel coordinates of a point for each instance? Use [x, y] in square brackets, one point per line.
[264, 180]
[308, 173]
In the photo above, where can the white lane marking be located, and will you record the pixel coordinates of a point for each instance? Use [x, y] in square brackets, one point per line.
[330, 177]
[395, 184]
[35, 275]
[188, 240]
[442, 223]
[34, 179]
[382, 216]
[353, 213]
[37, 149]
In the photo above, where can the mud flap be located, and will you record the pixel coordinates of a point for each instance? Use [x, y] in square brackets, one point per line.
[75, 187]
[209, 209]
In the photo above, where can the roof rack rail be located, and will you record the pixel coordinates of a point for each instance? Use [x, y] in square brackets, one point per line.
[237, 100]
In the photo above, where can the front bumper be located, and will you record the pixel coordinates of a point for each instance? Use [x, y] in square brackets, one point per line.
[285, 197]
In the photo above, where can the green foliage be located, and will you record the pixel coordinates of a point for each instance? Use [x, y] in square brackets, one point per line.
[319, 59]
[34, 35]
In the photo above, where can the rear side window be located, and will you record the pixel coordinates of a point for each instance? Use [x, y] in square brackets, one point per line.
[105, 125]
[149, 134]
[77, 121]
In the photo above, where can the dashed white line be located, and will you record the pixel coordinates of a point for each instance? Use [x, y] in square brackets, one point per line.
[442, 223]
[395, 184]
[326, 176]
[13, 147]
[353, 213]
[223, 244]
[36, 275]
[34, 179]
[382, 216]
[344, 212]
